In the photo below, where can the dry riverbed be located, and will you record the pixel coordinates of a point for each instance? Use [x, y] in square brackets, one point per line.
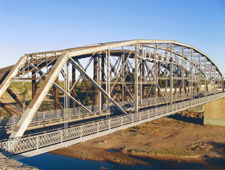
[163, 139]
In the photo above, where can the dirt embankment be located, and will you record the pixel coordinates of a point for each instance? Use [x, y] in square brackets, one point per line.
[11, 164]
[163, 139]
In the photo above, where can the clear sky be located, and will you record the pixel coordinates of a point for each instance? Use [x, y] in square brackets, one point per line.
[40, 25]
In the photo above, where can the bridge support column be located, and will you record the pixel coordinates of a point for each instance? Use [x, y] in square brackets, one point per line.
[95, 79]
[156, 72]
[214, 113]
[183, 88]
[142, 75]
[74, 89]
[66, 87]
[56, 95]
[192, 76]
[123, 77]
[108, 75]
[136, 78]
[34, 84]
[99, 78]
[103, 78]
[158, 80]
[205, 77]
[143, 78]
[171, 74]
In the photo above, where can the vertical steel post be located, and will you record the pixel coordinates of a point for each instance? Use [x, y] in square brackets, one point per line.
[210, 78]
[103, 78]
[143, 75]
[34, 84]
[205, 70]
[192, 76]
[182, 72]
[108, 75]
[156, 71]
[95, 77]
[199, 75]
[99, 81]
[171, 73]
[158, 79]
[56, 95]
[136, 77]
[67, 86]
[73, 81]
[123, 76]
[67, 99]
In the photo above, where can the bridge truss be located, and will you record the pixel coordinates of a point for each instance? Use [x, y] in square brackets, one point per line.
[121, 74]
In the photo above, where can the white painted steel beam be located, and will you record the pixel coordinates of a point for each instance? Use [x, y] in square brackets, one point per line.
[104, 46]
[39, 97]
[108, 75]
[6, 83]
[137, 48]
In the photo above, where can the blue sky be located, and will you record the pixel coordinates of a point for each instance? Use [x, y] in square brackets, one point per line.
[39, 25]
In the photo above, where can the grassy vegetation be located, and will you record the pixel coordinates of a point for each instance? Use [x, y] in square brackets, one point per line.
[176, 151]
[165, 151]
[84, 91]
[19, 86]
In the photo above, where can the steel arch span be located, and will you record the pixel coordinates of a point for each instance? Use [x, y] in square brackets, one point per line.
[117, 77]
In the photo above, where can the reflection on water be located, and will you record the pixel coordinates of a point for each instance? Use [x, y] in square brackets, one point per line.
[50, 161]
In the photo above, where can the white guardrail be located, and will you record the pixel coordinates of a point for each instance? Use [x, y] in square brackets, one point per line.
[60, 138]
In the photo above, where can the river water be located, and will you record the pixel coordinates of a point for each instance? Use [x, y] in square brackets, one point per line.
[50, 161]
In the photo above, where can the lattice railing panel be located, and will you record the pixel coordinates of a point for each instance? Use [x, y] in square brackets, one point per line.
[89, 128]
[103, 125]
[127, 119]
[49, 138]
[75, 113]
[136, 117]
[26, 144]
[115, 122]
[72, 133]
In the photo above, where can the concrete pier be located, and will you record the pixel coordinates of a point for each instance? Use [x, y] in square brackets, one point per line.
[215, 113]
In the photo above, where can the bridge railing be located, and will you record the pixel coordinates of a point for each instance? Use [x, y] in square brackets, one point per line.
[95, 128]
[76, 113]
[69, 113]
[73, 113]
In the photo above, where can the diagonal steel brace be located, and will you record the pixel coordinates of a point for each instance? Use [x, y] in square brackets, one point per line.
[96, 84]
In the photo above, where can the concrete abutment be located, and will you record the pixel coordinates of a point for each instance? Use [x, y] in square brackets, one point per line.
[215, 113]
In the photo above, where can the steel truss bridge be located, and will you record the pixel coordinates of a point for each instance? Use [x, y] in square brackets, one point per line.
[125, 83]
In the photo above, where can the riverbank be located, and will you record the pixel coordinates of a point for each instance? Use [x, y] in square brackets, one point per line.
[10, 164]
[175, 141]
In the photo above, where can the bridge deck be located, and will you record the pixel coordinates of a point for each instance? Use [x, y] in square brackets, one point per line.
[51, 118]
[29, 146]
